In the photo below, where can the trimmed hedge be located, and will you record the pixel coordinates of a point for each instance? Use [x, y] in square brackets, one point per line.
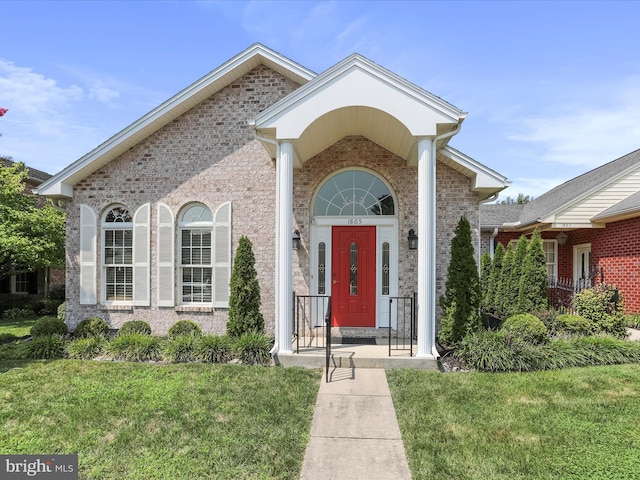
[92, 327]
[526, 326]
[135, 326]
[184, 327]
[48, 326]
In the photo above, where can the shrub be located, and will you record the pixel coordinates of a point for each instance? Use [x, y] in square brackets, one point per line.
[534, 281]
[46, 347]
[135, 326]
[602, 305]
[92, 327]
[526, 326]
[574, 324]
[135, 347]
[17, 314]
[62, 311]
[184, 327]
[461, 299]
[85, 348]
[253, 348]
[48, 326]
[7, 337]
[213, 349]
[46, 306]
[57, 292]
[244, 293]
[180, 349]
[496, 351]
[632, 320]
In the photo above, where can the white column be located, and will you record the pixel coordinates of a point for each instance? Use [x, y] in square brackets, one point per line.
[284, 283]
[426, 248]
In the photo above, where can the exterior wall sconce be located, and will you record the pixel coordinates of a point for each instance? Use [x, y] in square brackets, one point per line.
[562, 238]
[413, 240]
[296, 239]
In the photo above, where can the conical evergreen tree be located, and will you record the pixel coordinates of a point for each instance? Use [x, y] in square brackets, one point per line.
[462, 289]
[485, 273]
[533, 296]
[511, 293]
[502, 291]
[244, 295]
[494, 279]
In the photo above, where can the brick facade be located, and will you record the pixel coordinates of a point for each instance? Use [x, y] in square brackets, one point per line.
[209, 155]
[615, 249]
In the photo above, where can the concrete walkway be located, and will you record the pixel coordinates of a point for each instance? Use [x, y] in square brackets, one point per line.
[355, 433]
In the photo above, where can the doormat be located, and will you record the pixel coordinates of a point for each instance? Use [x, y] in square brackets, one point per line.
[358, 341]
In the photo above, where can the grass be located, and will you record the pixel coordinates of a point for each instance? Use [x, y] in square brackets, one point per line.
[19, 328]
[150, 421]
[564, 424]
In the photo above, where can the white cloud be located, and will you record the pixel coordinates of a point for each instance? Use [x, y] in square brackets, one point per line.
[587, 133]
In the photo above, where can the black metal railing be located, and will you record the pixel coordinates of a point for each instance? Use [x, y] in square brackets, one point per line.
[405, 312]
[562, 290]
[327, 326]
[309, 320]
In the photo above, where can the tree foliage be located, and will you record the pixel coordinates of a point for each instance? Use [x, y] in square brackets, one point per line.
[489, 296]
[521, 199]
[244, 300]
[532, 294]
[31, 237]
[462, 290]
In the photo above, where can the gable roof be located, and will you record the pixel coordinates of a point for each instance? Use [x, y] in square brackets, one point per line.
[61, 185]
[496, 214]
[629, 207]
[572, 192]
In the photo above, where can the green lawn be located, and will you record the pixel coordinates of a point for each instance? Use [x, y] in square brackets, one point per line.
[146, 421]
[19, 328]
[562, 424]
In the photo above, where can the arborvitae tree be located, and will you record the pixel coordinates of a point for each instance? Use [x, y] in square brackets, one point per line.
[494, 279]
[485, 272]
[244, 295]
[510, 295]
[501, 303]
[462, 290]
[533, 296]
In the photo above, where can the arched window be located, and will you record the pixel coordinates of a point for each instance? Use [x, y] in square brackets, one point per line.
[196, 268]
[117, 258]
[354, 193]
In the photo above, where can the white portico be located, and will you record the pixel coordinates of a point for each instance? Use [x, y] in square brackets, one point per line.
[358, 97]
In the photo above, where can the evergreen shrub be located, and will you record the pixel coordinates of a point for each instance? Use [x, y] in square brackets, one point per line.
[603, 306]
[48, 326]
[574, 324]
[92, 327]
[135, 326]
[527, 327]
[244, 293]
[184, 327]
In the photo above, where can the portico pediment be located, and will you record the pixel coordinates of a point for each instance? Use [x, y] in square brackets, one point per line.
[356, 97]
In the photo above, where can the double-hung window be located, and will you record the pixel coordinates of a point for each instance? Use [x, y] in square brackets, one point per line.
[117, 262]
[196, 268]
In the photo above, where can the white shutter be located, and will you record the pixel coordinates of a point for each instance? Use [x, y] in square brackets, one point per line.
[88, 267]
[166, 275]
[222, 255]
[141, 254]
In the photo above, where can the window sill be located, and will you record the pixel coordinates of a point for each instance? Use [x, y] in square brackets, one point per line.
[116, 308]
[194, 308]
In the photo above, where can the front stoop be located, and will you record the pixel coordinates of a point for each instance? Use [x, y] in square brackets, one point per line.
[356, 356]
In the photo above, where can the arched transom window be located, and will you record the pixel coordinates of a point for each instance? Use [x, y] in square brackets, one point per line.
[354, 193]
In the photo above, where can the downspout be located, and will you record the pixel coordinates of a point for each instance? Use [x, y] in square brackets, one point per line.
[276, 346]
[432, 253]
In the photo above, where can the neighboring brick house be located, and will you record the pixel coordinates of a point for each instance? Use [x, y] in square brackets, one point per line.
[589, 223]
[350, 160]
[36, 282]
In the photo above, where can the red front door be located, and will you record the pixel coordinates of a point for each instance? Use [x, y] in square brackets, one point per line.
[353, 271]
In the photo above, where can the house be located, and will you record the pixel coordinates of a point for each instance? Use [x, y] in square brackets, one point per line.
[348, 161]
[34, 282]
[589, 223]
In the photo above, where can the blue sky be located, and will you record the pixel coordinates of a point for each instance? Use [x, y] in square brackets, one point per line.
[552, 89]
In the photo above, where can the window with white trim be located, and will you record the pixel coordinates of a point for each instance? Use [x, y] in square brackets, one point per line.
[196, 269]
[550, 248]
[117, 254]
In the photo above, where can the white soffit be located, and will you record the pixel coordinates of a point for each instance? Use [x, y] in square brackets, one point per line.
[62, 183]
[484, 178]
